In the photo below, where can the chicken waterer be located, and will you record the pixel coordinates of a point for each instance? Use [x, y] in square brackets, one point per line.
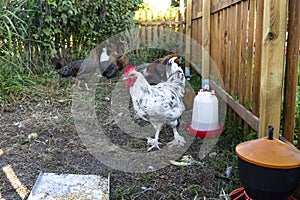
[205, 117]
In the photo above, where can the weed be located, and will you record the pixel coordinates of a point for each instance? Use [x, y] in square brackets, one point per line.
[122, 192]
[196, 190]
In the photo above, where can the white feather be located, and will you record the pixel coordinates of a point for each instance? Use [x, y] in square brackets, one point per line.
[104, 56]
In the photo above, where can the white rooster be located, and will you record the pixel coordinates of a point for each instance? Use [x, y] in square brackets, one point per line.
[158, 104]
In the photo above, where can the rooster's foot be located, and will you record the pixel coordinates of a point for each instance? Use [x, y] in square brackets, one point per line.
[86, 86]
[153, 142]
[178, 140]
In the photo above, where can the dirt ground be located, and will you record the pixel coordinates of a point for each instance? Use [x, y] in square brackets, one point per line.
[42, 136]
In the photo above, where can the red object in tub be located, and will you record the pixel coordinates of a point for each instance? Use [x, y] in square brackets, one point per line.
[240, 194]
[204, 134]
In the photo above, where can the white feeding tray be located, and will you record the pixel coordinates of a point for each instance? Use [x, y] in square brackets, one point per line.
[51, 186]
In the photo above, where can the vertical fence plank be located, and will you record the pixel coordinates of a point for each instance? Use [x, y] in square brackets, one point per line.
[180, 28]
[138, 36]
[155, 26]
[206, 39]
[227, 49]
[233, 59]
[167, 27]
[219, 47]
[188, 31]
[257, 62]
[250, 51]
[200, 23]
[149, 28]
[198, 37]
[195, 55]
[291, 71]
[232, 37]
[161, 27]
[143, 28]
[194, 35]
[274, 30]
[214, 35]
[174, 19]
[242, 57]
[222, 45]
[238, 47]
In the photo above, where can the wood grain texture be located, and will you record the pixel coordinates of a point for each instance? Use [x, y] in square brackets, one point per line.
[274, 29]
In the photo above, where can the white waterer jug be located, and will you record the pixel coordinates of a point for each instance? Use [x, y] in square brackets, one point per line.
[205, 115]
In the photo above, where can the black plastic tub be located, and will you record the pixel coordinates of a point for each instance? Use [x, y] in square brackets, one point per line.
[262, 183]
[269, 168]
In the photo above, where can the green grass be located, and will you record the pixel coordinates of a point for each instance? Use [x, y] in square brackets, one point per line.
[17, 86]
[122, 192]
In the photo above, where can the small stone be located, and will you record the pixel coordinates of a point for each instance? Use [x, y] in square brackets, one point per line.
[32, 136]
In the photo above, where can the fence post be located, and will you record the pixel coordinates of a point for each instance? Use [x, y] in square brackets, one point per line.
[291, 71]
[274, 30]
[205, 42]
[188, 32]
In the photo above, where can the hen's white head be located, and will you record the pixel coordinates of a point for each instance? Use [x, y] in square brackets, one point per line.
[104, 56]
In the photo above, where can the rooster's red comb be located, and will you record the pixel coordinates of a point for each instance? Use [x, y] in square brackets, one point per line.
[128, 69]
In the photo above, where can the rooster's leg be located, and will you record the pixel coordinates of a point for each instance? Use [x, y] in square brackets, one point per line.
[78, 85]
[86, 86]
[178, 139]
[153, 141]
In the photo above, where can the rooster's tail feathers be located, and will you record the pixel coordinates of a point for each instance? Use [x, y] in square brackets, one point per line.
[175, 74]
[173, 68]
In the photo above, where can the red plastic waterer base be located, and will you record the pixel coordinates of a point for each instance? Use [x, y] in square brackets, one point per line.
[204, 134]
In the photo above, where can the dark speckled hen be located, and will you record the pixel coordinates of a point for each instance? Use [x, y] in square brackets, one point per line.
[71, 69]
[88, 68]
[83, 70]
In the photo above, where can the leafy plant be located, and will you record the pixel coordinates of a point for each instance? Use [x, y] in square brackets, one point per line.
[32, 32]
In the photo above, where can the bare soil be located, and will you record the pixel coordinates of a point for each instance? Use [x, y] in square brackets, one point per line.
[41, 136]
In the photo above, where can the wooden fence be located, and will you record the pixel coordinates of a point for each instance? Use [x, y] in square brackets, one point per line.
[247, 41]
[156, 26]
